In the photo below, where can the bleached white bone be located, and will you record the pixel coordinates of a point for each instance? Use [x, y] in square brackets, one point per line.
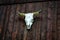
[29, 20]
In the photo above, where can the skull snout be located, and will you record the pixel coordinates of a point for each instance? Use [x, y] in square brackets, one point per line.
[29, 23]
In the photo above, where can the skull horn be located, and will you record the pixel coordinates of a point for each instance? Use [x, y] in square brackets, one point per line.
[36, 13]
[20, 14]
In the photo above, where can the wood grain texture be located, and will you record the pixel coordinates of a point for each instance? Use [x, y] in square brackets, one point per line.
[19, 1]
[45, 26]
[58, 21]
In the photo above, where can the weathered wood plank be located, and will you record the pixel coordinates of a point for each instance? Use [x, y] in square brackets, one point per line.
[3, 22]
[6, 23]
[58, 21]
[54, 21]
[18, 1]
[44, 21]
[43, 28]
[1, 15]
[14, 27]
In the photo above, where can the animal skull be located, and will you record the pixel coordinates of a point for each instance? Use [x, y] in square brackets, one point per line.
[29, 18]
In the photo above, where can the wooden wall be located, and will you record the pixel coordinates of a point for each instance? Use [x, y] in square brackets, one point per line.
[58, 20]
[19, 1]
[45, 27]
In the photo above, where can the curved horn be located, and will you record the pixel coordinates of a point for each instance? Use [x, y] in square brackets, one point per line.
[35, 13]
[20, 14]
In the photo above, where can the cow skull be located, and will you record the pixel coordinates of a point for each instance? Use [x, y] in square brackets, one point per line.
[29, 18]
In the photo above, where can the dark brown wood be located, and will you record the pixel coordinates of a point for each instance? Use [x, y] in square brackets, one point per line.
[25, 33]
[46, 25]
[58, 21]
[5, 2]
